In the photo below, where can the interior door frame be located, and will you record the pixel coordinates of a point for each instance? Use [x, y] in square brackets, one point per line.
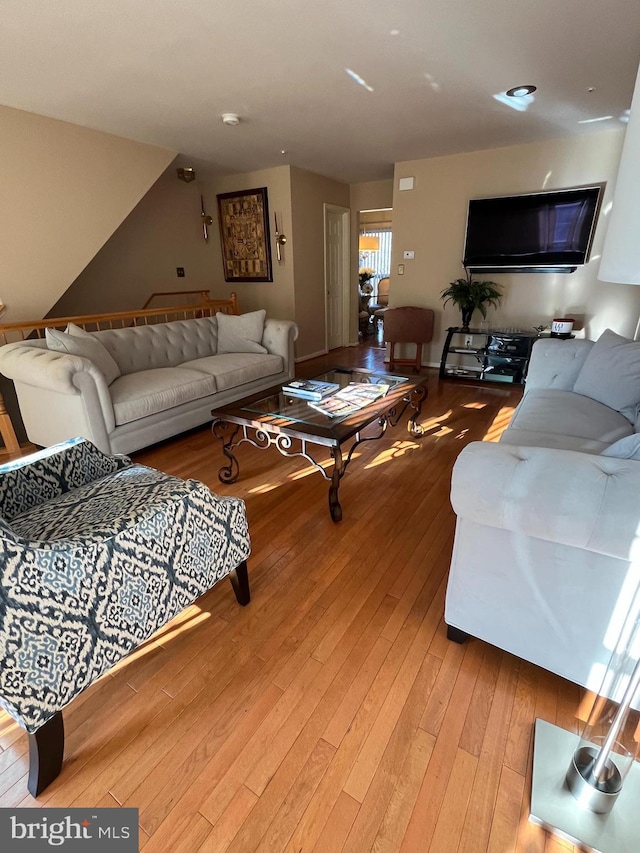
[346, 268]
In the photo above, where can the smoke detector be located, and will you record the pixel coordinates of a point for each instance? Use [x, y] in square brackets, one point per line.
[231, 119]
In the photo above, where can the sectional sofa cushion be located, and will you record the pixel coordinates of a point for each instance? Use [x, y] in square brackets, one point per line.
[84, 344]
[611, 374]
[241, 332]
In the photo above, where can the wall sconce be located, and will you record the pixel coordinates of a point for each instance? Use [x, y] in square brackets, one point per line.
[280, 240]
[206, 220]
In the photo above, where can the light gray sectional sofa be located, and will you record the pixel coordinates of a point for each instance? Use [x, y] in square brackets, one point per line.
[127, 388]
[546, 559]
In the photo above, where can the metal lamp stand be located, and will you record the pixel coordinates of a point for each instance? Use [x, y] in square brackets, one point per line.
[555, 808]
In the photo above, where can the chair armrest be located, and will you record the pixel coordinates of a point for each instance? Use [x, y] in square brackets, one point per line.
[577, 499]
[35, 479]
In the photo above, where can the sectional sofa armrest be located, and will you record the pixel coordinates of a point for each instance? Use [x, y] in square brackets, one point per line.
[577, 499]
[279, 337]
[556, 363]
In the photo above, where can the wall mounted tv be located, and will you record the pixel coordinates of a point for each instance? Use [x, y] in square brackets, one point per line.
[538, 232]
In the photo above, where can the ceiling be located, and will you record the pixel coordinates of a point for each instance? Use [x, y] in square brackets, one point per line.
[164, 71]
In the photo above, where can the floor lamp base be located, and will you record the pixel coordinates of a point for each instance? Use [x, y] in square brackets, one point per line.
[554, 808]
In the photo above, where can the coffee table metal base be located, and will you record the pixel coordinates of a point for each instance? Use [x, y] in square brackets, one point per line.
[263, 436]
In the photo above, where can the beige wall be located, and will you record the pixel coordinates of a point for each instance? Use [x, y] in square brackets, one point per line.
[64, 190]
[309, 194]
[163, 232]
[430, 220]
[277, 295]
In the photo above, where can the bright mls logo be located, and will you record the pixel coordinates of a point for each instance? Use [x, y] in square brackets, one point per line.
[79, 830]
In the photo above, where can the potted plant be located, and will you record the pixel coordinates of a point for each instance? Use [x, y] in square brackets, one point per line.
[469, 293]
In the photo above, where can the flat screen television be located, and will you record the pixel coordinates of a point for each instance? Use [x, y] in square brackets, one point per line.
[538, 232]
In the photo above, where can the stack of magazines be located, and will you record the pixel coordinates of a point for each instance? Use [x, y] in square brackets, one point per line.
[351, 399]
[309, 389]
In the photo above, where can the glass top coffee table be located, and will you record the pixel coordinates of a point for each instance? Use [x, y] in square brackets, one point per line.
[275, 419]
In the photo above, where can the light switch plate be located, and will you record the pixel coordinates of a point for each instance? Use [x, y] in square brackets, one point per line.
[400, 269]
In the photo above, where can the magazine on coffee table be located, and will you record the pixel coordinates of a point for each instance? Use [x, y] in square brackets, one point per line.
[309, 389]
[352, 398]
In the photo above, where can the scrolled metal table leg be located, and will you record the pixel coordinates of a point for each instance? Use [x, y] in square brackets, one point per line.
[338, 469]
[416, 399]
[227, 432]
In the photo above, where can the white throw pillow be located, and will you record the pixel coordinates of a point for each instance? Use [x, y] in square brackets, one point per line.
[86, 346]
[241, 332]
[625, 448]
[611, 374]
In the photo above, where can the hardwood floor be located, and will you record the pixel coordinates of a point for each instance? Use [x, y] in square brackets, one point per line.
[331, 714]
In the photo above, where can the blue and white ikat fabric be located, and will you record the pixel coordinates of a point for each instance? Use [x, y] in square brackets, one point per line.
[93, 571]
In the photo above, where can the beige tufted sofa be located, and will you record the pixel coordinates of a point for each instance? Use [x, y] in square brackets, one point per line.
[171, 376]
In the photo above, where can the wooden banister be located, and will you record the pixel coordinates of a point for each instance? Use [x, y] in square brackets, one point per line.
[16, 332]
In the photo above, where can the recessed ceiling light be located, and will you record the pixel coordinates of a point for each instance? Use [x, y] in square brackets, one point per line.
[521, 91]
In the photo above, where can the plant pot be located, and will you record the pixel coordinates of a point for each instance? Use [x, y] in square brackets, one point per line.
[467, 314]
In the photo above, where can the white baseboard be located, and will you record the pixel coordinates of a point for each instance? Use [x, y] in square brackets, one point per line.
[311, 355]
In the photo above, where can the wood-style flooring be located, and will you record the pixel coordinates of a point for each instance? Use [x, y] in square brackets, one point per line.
[331, 714]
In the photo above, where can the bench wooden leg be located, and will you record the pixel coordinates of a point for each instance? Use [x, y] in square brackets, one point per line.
[240, 583]
[46, 749]
[456, 634]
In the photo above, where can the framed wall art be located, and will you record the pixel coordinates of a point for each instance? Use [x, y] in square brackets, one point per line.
[244, 234]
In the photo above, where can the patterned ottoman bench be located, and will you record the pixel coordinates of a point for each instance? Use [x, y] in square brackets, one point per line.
[96, 554]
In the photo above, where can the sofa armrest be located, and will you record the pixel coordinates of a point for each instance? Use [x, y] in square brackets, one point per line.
[556, 363]
[279, 337]
[576, 499]
[49, 377]
[43, 368]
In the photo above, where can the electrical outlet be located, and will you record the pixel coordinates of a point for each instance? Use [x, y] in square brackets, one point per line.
[180, 271]
[468, 340]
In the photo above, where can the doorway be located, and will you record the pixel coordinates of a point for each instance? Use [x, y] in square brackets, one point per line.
[336, 275]
[375, 238]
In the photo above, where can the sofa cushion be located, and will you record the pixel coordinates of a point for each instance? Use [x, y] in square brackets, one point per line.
[237, 368]
[241, 332]
[611, 374]
[548, 417]
[85, 345]
[137, 395]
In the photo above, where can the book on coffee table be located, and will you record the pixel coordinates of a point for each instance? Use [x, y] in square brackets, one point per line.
[309, 389]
